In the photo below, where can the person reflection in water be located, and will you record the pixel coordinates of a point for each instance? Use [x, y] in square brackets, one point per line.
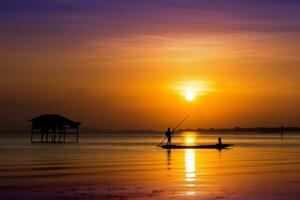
[169, 136]
[169, 158]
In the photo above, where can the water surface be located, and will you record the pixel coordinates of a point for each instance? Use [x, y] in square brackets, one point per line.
[127, 165]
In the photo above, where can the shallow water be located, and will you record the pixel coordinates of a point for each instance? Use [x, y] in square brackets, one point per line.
[127, 165]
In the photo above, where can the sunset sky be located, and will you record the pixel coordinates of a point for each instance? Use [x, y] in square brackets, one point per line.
[127, 64]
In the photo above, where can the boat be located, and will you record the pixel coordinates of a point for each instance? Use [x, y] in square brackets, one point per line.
[214, 146]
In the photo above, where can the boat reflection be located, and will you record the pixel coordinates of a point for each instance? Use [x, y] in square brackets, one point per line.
[194, 171]
[188, 164]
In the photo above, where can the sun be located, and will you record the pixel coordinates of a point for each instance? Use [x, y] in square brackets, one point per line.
[190, 96]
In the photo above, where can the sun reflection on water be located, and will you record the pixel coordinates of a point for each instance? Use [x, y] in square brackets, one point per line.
[190, 163]
[190, 170]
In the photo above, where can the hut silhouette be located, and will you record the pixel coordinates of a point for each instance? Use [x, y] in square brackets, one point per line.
[51, 126]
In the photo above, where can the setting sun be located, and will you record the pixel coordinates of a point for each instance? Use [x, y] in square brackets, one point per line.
[190, 96]
[193, 88]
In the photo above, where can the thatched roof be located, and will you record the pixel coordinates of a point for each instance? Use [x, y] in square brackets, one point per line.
[53, 121]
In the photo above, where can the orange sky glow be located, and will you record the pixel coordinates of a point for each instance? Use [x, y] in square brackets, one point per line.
[110, 74]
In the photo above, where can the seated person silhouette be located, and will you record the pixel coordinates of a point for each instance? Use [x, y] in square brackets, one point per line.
[219, 141]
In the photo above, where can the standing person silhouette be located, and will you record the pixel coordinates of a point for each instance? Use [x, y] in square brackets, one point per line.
[169, 136]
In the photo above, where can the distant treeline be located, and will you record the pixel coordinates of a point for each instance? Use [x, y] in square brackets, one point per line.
[257, 129]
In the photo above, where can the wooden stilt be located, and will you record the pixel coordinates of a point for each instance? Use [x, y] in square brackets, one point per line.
[59, 135]
[31, 139]
[54, 136]
[77, 136]
[42, 135]
[64, 135]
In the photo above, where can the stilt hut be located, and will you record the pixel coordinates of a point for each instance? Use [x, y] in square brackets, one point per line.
[53, 128]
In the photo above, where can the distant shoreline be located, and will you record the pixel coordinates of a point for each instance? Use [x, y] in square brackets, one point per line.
[251, 129]
[208, 130]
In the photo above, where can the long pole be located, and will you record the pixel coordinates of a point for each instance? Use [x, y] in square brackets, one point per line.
[180, 123]
[174, 129]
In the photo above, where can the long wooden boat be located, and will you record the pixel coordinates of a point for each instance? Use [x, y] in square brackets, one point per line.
[214, 146]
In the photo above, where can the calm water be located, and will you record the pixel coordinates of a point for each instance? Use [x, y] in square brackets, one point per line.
[258, 166]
